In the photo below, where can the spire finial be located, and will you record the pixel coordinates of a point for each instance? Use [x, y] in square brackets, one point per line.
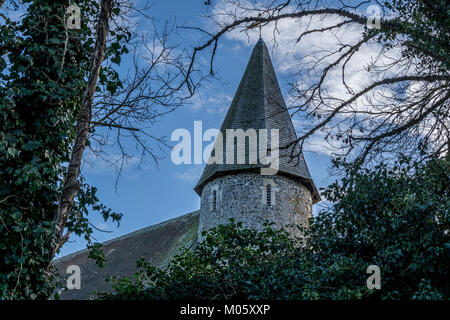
[260, 25]
[255, 24]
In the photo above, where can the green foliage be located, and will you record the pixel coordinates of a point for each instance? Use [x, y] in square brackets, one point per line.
[426, 24]
[395, 218]
[229, 263]
[42, 82]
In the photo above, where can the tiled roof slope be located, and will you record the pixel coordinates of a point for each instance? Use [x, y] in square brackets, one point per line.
[157, 244]
[259, 104]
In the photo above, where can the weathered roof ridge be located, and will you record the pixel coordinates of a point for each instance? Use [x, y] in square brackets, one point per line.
[157, 244]
[128, 235]
[258, 104]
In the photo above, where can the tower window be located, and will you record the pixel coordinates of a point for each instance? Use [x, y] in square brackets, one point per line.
[269, 195]
[214, 200]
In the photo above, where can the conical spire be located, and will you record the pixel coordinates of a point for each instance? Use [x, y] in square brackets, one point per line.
[259, 104]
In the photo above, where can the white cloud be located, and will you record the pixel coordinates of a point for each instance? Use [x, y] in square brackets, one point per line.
[316, 143]
[290, 56]
[191, 175]
[103, 226]
[106, 163]
[211, 103]
[304, 61]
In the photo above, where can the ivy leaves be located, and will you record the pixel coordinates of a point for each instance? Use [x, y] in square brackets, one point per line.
[43, 74]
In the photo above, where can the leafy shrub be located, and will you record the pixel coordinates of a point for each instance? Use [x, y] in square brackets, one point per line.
[395, 218]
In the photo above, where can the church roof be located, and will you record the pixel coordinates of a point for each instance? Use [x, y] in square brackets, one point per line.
[259, 104]
[157, 244]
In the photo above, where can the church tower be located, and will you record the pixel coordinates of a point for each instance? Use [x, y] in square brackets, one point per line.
[237, 189]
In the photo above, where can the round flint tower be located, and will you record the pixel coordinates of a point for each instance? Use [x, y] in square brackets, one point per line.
[239, 190]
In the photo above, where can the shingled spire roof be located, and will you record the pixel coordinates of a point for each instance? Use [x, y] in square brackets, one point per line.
[259, 104]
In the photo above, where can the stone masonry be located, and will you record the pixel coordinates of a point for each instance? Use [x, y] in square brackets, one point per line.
[243, 197]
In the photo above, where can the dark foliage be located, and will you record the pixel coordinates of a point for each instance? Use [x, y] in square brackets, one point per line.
[42, 79]
[395, 218]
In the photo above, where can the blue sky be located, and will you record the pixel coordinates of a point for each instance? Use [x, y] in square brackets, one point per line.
[152, 195]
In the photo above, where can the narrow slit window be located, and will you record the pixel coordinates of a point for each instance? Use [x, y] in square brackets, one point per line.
[269, 195]
[214, 199]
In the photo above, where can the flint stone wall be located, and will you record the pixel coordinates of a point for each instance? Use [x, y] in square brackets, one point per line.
[240, 196]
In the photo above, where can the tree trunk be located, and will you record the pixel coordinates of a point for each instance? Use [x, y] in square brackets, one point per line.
[71, 185]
